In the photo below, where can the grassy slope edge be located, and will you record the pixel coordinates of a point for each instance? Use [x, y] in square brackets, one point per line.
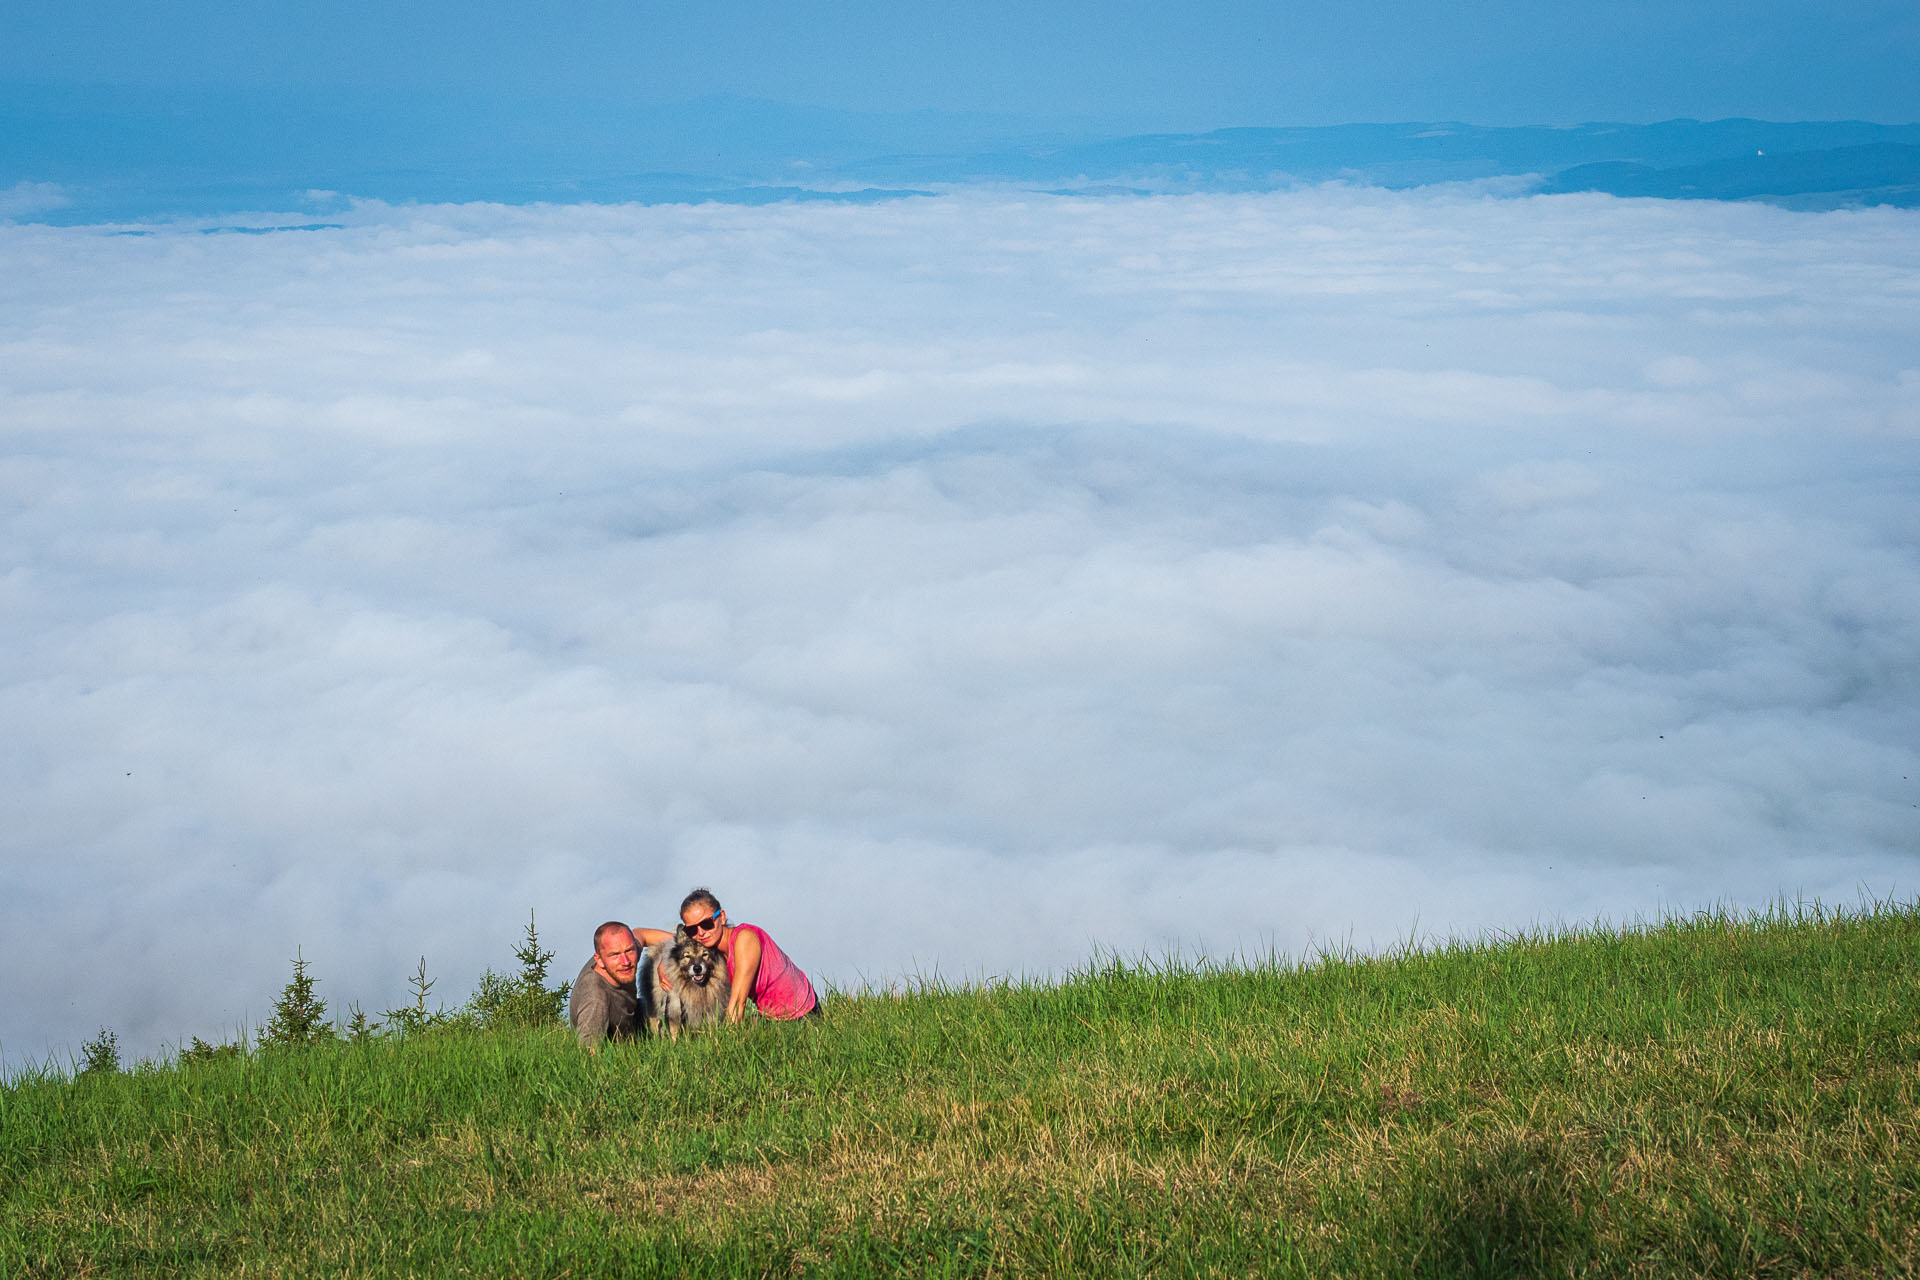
[1717, 1095]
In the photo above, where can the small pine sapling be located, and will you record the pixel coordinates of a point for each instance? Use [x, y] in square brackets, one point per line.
[415, 1017]
[523, 999]
[299, 1016]
[360, 1028]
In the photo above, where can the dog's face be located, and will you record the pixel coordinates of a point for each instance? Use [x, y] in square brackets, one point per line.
[693, 961]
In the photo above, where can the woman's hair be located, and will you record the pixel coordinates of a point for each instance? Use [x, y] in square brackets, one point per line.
[700, 897]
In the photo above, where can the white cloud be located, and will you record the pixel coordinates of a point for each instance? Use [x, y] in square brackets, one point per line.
[953, 584]
[24, 199]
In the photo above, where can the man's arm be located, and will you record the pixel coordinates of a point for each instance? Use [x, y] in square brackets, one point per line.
[653, 938]
[587, 1008]
[741, 972]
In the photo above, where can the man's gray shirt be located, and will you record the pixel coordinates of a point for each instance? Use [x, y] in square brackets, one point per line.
[600, 1011]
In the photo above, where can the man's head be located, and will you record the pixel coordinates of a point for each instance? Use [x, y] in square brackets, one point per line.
[616, 953]
[700, 911]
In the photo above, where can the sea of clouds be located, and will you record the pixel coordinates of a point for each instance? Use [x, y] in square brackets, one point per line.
[956, 585]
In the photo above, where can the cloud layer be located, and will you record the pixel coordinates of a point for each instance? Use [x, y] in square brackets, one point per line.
[953, 584]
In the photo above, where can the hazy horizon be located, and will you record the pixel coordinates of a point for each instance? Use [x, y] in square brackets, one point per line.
[220, 106]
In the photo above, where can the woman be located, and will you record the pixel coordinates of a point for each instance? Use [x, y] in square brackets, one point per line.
[757, 967]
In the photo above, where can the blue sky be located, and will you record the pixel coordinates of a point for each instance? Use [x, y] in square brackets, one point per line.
[1124, 66]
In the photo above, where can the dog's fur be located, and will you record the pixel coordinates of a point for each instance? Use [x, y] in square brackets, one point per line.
[700, 987]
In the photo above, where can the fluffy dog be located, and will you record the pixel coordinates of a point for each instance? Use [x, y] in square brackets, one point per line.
[700, 987]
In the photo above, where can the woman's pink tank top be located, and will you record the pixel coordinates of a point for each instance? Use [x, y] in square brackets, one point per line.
[780, 989]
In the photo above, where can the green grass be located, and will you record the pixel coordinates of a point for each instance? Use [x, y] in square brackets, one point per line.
[1716, 1096]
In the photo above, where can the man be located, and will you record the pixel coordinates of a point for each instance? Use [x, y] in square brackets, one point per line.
[605, 1004]
[757, 967]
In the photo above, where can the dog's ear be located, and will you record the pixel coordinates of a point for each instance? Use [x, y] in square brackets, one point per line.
[680, 934]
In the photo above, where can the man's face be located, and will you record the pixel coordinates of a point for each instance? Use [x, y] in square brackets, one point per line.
[618, 957]
[704, 923]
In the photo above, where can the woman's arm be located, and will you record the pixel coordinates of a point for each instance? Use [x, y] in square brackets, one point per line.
[743, 969]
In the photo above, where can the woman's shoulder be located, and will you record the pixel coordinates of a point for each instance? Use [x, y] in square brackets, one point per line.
[733, 935]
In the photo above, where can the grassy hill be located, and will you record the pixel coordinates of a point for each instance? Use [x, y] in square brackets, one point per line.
[1718, 1095]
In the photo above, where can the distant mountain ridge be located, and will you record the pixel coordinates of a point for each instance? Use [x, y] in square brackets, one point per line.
[1877, 173]
[1399, 154]
[1811, 165]
[102, 155]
